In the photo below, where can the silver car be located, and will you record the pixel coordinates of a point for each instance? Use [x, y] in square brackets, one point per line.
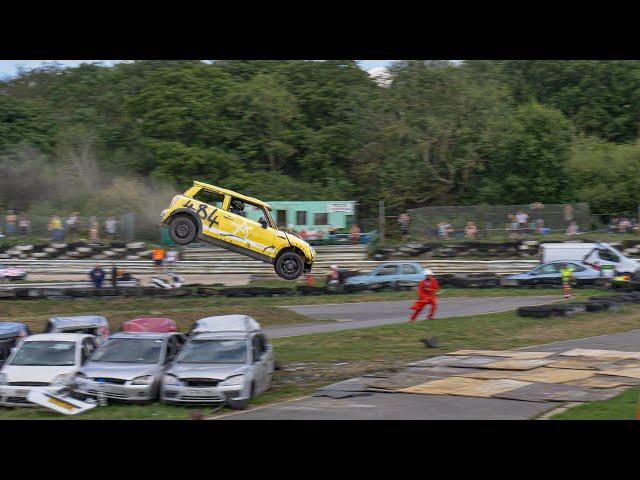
[129, 366]
[227, 360]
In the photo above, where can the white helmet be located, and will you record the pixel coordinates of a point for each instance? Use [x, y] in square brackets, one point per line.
[427, 271]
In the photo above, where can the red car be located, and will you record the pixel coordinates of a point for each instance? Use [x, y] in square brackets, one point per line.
[150, 324]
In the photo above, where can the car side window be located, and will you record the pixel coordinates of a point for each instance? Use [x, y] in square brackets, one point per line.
[608, 255]
[258, 348]
[88, 347]
[576, 267]
[210, 198]
[409, 269]
[388, 270]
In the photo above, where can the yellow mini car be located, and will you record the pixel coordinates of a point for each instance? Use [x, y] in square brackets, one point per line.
[238, 223]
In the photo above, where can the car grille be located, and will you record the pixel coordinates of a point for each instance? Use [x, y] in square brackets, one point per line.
[116, 381]
[29, 384]
[200, 382]
[215, 399]
[107, 394]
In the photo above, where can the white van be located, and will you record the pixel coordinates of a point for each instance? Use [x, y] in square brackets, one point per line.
[596, 254]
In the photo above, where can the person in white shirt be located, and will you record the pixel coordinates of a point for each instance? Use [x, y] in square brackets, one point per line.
[171, 258]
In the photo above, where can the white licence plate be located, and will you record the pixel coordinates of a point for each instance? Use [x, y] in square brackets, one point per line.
[197, 392]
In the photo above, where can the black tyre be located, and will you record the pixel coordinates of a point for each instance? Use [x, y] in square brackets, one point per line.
[289, 265]
[183, 230]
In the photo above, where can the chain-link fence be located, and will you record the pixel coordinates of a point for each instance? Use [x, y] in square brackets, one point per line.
[494, 222]
[120, 228]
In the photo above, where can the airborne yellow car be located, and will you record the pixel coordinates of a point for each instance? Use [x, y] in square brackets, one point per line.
[237, 223]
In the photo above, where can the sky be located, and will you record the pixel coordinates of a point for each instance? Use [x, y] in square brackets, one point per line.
[9, 68]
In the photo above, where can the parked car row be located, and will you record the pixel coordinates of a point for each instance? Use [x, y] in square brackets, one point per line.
[223, 360]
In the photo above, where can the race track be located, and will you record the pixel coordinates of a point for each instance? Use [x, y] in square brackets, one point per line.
[347, 316]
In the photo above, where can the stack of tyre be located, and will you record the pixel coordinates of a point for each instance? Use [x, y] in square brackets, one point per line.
[596, 303]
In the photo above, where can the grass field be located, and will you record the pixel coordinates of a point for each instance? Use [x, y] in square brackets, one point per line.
[314, 360]
[625, 406]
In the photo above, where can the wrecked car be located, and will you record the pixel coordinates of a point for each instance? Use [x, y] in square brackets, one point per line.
[237, 223]
[88, 324]
[45, 362]
[226, 361]
[129, 366]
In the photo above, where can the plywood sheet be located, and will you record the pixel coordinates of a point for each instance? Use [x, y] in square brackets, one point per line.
[402, 380]
[469, 387]
[516, 364]
[608, 354]
[503, 353]
[622, 372]
[581, 363]
[554, 375]
[537, 392]
[463, 361]
[493, 374]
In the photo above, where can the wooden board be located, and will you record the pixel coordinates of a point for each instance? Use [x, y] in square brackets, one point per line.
[608, 354]
[468, 387]
[581, 363]
[596, 382]
[515, 364]
[622, 372]
[554, 375]
[503, 353]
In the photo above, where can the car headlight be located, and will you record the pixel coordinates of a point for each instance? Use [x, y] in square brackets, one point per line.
[3, 379]
[232, 381]
[171, 380]
[62, 380]
[144, 380]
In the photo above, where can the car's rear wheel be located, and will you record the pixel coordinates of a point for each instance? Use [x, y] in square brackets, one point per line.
[289, 265]
[183, 230]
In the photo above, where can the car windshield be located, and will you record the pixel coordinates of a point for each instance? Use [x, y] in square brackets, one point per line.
[214, 351]
[129, 350]
[45, 353]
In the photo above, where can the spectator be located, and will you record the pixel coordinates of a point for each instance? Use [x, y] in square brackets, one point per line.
[572, 229]
[568, 213]
[157, 255]
[514, 226]
[404, 220]
[444, 229]
[97, 276]
[614, 225]
[94, 230]
[73, 226]
[522, 218]
[111, 227]
[25, 226]
[171, 258]
[303, 234]
[471, 230]
[11, 220]
[55, 227]
[625, 224]
[354, 234]
[539, 225]
[114, 275]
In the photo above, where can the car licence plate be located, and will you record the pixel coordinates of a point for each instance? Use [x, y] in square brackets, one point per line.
[197, 392]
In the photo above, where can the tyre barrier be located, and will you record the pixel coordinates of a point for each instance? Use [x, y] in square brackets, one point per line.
[596, 303]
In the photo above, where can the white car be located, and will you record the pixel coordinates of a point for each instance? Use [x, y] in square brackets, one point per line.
[8, 274]
[45, 362]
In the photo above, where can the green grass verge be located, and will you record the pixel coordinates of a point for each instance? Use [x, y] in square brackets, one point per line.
[625, 406]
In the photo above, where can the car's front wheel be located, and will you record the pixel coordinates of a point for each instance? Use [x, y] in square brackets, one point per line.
[289, 265]
[183, 230]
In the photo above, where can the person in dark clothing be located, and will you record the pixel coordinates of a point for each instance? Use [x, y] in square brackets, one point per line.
[97, 276]
[237, 207]
[114, 275]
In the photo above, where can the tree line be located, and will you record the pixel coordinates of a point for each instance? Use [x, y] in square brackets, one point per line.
[436, 133]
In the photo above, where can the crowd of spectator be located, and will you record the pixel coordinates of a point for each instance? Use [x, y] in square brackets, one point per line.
[60, 229]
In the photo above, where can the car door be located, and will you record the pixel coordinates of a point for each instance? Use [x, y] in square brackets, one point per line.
[409, 272]
[259, 364]
[546, 273]
[388, 273]
[245, 233]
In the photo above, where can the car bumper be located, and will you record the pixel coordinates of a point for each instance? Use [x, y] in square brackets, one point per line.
[16, 396]
[126, 393]
[202, 395]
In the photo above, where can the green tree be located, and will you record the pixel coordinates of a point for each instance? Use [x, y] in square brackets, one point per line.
[529, 162]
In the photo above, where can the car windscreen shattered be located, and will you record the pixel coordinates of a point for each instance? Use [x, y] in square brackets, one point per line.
[214, 351]
[129, 350]
[45, 353]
